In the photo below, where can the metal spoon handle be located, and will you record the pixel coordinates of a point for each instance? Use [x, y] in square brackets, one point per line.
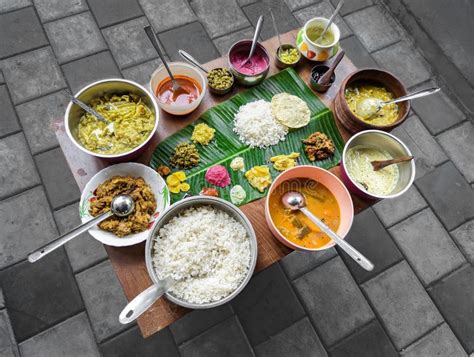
[143, 301]
[55, 244]
[187, 57]
[154, 41]
[331, 19]
[83, 106]
[349, 249]
[418, 94]
[256, 35]
[275, 27]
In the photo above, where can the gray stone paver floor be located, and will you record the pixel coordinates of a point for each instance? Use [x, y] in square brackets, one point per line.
[419, 300]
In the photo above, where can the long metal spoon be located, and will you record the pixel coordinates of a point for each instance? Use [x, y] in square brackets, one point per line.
[296, 201]
[121, 206]
[275, 27]
[256, 35]
[177, 89]
[144, 300]
[84, 106]
[187, 57]
[368, 107]
[331, 20]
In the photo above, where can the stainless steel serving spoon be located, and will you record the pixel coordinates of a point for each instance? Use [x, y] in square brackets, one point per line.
[144, 300]
[275, 28]
[84, 106]
[187, 57]
[256, 35]
[368, 107]
[177, 89]
[296, 201]
[331, 20]
[121, 206]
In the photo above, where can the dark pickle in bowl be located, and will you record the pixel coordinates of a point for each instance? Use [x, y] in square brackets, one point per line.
[316, 73]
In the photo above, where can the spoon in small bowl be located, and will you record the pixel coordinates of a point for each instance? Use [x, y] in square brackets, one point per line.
[368, 107]
[326, 77]
[121, 206]
[378, 165]
[331, 20]
[258, 29]
[176, 88]
[295, 201]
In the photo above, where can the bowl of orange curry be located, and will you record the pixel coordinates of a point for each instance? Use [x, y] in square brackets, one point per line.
[192, 85]
[326, 197]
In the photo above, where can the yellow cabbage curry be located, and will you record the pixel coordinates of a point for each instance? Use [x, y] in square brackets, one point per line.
[294, 225]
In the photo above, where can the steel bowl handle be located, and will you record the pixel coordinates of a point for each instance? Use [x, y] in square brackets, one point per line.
[144, 300]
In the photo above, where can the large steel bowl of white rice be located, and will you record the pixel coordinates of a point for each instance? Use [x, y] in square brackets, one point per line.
[208, 246]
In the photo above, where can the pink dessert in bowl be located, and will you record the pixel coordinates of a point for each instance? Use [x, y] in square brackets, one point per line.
[255, 70]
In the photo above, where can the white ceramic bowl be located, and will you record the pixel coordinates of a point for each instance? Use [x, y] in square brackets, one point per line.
[312, 50]
[152, 178]
[178, 68]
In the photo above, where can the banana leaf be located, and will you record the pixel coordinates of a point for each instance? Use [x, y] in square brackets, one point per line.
[226, 145]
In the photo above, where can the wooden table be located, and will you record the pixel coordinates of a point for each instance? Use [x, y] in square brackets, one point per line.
[129, 262]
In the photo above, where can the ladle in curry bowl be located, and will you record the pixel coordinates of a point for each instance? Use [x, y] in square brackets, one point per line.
[176, 88]
[121, 206]
[295, 201]
[368, 107]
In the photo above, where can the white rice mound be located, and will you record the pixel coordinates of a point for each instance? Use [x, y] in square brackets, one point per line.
[256, 125]
[206, 251]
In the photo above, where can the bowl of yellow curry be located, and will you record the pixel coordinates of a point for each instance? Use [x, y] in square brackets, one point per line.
[131, 118]
[366, 85]
[325, 196]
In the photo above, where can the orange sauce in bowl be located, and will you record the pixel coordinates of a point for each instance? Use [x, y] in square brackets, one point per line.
[294, 225]
[191, 90]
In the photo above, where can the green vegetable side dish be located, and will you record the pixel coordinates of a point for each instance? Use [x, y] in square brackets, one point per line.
[185, 156]
[131, 122]
[289, 56]
[220, 78]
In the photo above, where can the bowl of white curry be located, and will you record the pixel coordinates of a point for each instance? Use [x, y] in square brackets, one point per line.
[358, 174]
